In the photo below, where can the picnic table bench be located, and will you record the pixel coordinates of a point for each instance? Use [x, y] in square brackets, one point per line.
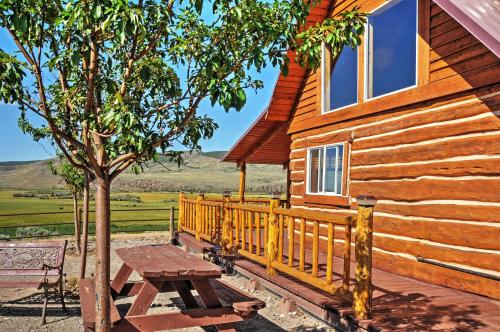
[33, 265]
[167, 268]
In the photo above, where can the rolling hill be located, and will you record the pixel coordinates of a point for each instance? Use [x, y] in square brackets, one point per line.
[199, 172]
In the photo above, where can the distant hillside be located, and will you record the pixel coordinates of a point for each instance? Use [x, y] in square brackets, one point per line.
[199, 172]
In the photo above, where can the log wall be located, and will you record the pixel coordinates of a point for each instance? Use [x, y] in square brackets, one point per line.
[433, 165]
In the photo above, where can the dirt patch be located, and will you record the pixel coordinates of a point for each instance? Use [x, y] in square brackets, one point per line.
[20, 309]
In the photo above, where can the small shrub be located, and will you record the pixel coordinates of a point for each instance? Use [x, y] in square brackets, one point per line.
[34, 231]
[4, 237]
[126, 198]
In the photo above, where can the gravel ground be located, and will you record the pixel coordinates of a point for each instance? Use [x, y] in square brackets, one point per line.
[20, 309]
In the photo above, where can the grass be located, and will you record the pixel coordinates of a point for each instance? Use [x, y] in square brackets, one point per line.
[123, 216]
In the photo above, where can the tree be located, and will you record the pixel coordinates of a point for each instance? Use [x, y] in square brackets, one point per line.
[75, 181]
[116, 82]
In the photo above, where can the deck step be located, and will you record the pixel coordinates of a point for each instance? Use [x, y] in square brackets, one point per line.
[88, 302]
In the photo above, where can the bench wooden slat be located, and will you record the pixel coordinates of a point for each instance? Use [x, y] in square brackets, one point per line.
[52, 281]
[241, 302]
[87, 303]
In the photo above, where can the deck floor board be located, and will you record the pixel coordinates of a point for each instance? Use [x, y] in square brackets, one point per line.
[399, 303]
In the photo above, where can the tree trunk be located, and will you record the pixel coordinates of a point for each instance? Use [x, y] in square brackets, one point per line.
[76, 221]
[102, 231]
[85, 234]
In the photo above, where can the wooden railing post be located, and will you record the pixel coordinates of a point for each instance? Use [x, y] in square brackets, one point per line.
[227, 226]
[362, 295]
[273, 235]
[171, 225]
[199, 215]
[180, 216]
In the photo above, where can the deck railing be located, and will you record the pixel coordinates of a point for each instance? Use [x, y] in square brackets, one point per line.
[297, 242]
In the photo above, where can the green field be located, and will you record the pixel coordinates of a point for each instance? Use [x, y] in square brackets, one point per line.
[123, 216]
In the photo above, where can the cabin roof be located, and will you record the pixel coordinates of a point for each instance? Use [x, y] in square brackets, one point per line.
[267, 141]
[481, 18]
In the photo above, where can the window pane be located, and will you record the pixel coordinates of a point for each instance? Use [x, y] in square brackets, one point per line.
[321, 169]
[344, 79]
[313, 170]
[392, 48]
[340, 168]
[330, 166]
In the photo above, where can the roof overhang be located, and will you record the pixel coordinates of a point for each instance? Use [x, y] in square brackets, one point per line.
[267, 141]
[480, 17]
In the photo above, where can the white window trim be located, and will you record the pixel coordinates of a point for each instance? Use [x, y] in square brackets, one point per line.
[367, 43]
[308, 169]
[326, 91]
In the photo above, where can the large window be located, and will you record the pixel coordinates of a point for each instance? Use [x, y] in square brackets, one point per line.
[325, 170]
[344, 79]
[391, 41]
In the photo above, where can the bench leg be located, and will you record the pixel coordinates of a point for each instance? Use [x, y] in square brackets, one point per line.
[61, 294]
[45, 300]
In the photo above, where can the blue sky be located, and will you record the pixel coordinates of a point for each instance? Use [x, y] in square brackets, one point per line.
[14, 145]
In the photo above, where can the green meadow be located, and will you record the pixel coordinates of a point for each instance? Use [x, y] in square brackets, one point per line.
[126, 216]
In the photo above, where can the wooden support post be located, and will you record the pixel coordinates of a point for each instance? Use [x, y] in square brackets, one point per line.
[180, 217]
[362, 295]
[243, 172]
[227, 225]
[171, 226]
[199, 215]
[288, 184]
[273, 235]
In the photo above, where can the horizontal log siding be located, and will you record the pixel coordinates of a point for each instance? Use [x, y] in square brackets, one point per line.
[428, 165]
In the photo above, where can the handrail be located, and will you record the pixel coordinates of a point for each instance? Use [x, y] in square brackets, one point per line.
[279, 238]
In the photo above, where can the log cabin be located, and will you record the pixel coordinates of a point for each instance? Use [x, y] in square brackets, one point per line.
[411, 117]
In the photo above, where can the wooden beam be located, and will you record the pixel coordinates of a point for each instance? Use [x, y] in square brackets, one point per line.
[243, 172]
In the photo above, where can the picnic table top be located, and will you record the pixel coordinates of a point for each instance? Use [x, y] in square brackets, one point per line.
[167, 262]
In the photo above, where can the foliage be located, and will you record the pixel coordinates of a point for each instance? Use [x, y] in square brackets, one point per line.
[126, 198]
[74, 177]
[335, 33]
[119, 81]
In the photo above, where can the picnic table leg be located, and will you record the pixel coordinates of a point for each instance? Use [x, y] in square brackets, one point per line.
[146, 296]
[120, 279]
[210, 300]
[184, 291]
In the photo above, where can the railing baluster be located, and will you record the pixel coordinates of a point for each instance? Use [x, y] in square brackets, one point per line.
[237, 230]
[266, 232]
[329, 255]
[257, 233]
[280, 239]
[291, 231]
[315, 249]
[302, 245]
[250, 232]
[243, 230]
[347, 258]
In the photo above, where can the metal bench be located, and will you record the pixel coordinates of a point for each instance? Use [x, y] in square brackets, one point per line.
[33, 265]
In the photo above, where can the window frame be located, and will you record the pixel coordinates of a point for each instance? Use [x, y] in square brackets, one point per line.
[366, 46]
[326, 75]
[343, 177]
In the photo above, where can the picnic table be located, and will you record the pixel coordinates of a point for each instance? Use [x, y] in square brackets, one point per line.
[167, 268]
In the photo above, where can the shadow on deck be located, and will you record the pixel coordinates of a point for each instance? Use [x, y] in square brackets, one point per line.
[399, 303]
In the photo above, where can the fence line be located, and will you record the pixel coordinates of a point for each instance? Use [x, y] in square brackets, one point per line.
[71, 224]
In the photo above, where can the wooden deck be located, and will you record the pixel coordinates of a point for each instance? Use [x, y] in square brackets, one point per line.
[399, 303]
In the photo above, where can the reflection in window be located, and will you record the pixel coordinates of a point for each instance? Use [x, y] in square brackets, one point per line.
[391, 42]
[344, 79]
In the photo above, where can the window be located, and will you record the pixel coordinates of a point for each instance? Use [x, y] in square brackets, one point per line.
[391, 48]
[325, 169]
[343, 79]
